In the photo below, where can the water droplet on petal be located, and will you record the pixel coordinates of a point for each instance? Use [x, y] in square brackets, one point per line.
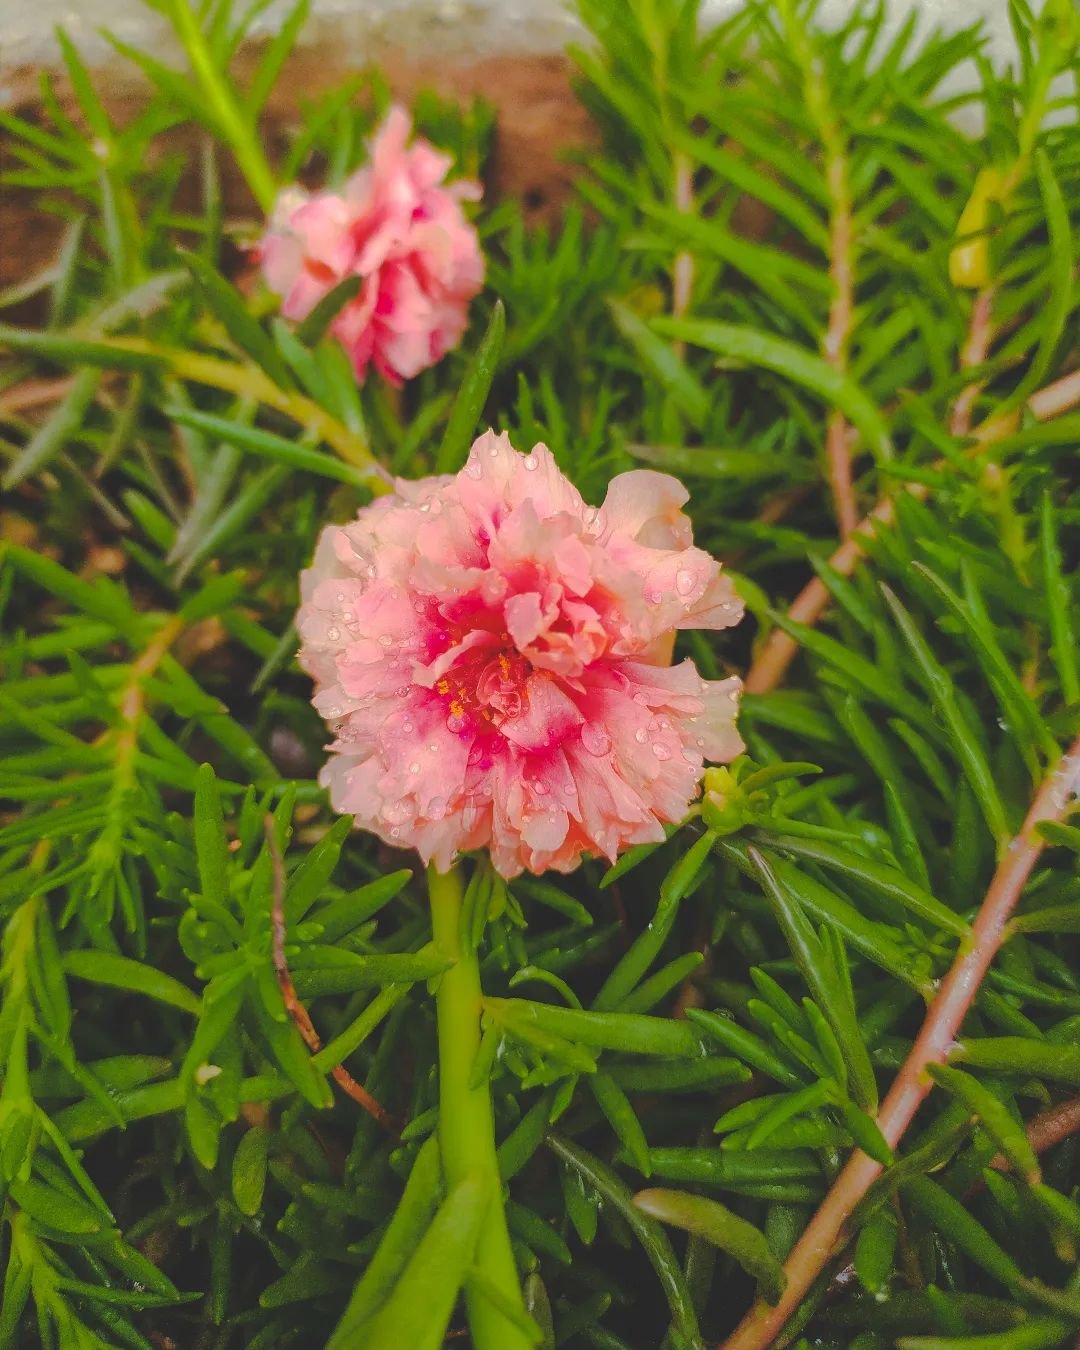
[531, 463]
[595, 739]
[402, 690]
[641, 735]
[407, 724]
[684, 582]
[474, 469]
[436, 808]
[494, 452]
[385, 639]
[414, 767]
[701, 742]
[333, 634]
[434, 747]
[691, 756]
[456, 723]
[340, 596]
[539, 788]
[661, 751]
[654, 597]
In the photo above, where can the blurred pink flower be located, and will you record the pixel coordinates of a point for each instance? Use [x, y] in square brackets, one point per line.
[492, 655]
[400, 228]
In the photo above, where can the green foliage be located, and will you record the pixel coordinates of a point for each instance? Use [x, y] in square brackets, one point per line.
[175, 1160]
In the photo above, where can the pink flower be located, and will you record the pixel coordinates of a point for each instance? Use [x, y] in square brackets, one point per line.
[492, 656]
[400, 228]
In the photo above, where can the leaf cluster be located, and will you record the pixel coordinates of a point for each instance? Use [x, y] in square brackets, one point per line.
[175, 1160]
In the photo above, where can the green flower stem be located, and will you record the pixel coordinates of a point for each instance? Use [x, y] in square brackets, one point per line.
[466, 1120]
[239, 131]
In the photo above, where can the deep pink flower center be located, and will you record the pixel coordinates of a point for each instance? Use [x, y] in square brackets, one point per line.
[487, 689]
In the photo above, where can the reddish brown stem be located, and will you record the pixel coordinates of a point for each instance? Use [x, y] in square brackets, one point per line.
[1048, 1128]
[682, 271]
[293, 1006]
[837, 338]
[1055, 399]
[974, 352]
[1043, 1131]
[34, 394]
[779, 649]
[937, 1038]
[840, 480]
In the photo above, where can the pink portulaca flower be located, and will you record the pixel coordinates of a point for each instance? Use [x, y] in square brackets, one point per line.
[493, 657]
[400, 228]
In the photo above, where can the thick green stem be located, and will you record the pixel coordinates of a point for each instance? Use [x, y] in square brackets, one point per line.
[236, 128]
[466, 1120]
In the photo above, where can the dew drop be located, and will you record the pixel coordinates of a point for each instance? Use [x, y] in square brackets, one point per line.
[456, 723]
[691, 756]
[419, 606]
[474, 469]
[395, 833]
[425, 506]
[397, 812]
[434, 747]
[402, 690]
[531, 463]
[407, 725]
[595, 739]
[540, 788]
[701, 742]
[661, 751]
[641, 735]
[654, 597]
[333, 634]
[494, 452]
[684, 582]
[414, 767]
[436, 808]
[385, 639]
[340, 596]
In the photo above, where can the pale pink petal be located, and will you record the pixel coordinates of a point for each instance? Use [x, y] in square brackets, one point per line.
[491, 659]
[400, 227]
